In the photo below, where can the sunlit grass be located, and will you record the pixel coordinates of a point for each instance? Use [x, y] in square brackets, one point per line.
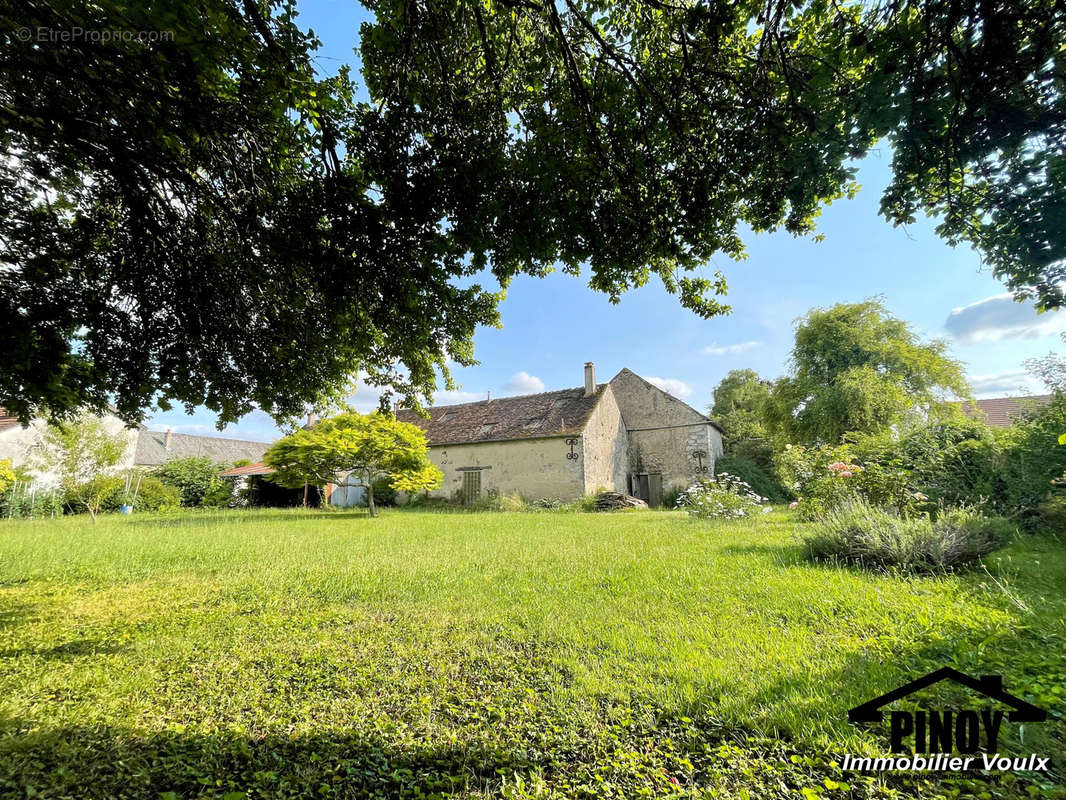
[451, 629]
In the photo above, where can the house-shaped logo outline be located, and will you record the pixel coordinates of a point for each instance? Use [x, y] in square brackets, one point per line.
[990, 686]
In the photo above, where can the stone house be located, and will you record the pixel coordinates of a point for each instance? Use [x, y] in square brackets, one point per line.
[144, 448]
[625, 435]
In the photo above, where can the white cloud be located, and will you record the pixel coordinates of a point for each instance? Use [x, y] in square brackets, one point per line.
[524, 383]
[730, 349]
[449, 397]
[677, 388]
[1014, 382]
[999, 317]
[366, 398]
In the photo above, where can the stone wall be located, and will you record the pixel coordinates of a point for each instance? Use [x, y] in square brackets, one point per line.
[671, 451]
[533, 468]
[664, 433]
[605, 447]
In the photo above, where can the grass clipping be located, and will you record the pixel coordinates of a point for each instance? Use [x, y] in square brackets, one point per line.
[864, 535]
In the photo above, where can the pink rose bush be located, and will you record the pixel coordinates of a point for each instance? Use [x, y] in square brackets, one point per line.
[824, 478]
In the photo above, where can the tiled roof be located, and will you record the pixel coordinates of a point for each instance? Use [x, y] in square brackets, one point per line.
[152, 448]
[1000, 412]
[529, 416]
[259, 468]
[7, 420]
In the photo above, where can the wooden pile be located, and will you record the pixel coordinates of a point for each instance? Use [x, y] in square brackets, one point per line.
[613, 501]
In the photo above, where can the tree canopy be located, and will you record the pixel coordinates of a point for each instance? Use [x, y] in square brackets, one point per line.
[855, 368]
[740, 401]
[367, 446]
[1051, 369]
[200, 218]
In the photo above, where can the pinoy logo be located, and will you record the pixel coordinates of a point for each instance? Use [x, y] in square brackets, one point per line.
[939, 732]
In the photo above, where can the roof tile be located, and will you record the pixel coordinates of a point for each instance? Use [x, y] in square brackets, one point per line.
[1001, 412]
[531, 416]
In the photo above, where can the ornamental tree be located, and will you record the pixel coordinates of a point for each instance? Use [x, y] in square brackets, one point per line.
[84, 455]
[855, 368]
[367, 446]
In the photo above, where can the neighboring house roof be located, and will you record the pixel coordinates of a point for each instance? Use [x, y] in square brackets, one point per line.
[152, 448]
[259, 468]
[7, 420]
[1000, 412]
[531, 416]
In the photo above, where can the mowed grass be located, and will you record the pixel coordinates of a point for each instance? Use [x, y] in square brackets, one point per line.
[325, 654]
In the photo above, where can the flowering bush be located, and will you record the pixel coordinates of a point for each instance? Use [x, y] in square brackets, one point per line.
[825, 478]
[724, 496]
[822, 478]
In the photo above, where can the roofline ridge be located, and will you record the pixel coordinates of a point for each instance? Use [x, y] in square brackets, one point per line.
[510, 397]
[205, 436]
[646, 382]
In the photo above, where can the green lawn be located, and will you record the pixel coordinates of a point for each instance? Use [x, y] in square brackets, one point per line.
[325, 654]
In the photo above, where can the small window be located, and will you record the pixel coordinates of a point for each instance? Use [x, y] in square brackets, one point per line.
[447, 415]
[486, 429]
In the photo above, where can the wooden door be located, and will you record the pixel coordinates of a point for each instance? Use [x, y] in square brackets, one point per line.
[471, 486]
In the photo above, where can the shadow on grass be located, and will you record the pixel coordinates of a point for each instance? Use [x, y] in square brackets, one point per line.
[17, 614]
[784, 554]
[66, 650]
[242, 517]
[112, 762]
[1026, 651]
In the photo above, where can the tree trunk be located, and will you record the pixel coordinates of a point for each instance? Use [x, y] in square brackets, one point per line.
[370, 499]
[305, 494]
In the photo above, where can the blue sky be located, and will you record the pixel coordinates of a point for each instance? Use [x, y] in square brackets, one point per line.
[553, 325]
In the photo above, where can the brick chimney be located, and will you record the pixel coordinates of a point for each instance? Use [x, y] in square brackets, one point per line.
[590, 379]
[169, 440]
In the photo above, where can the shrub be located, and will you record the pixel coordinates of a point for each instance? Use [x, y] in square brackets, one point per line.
[862, 534]
[587, 502]
[822, 478]
[511, 502]
[221, 495]
[7, 476]
[154, 495]
[95, 495]
[549, 504]
[384, 494]
[26, 501]
[195, 478]
[724, 496]
[1033, 459]
[952, 463]
[151, 494]
[755, 475]
[1051, 514]
[672, 495]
